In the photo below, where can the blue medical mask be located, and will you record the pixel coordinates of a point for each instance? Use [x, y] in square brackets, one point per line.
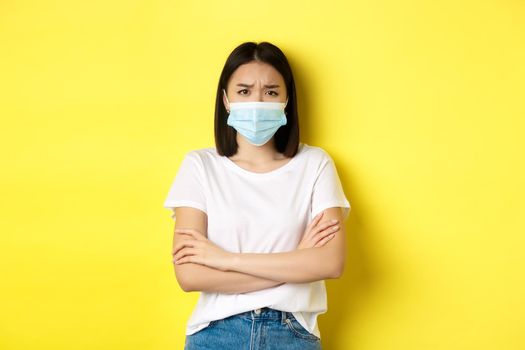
[256, 121]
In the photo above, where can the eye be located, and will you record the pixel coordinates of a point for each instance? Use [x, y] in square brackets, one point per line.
[275, 93]
[239, 92]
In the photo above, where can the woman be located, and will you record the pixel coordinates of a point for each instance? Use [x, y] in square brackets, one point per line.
[244, 234]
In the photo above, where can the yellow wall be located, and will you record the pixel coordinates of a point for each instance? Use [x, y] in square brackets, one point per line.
[420, 103]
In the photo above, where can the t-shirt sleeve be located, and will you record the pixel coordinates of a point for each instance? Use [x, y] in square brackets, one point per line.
[328, 190]
[187, 189]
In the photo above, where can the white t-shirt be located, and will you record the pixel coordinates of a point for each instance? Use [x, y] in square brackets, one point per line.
[252, 212]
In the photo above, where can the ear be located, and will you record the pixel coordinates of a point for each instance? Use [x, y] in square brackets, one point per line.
[225, 101]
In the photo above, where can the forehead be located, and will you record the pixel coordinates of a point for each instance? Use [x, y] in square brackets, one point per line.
[253, 71]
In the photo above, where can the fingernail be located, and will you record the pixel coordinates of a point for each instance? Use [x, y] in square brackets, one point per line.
[334, 220]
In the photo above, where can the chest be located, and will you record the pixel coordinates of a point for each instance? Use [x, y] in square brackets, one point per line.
[258, 216]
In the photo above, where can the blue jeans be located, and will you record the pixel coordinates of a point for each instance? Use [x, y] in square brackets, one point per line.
[260, 329]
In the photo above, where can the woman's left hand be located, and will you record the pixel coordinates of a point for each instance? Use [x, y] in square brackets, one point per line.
[200, 250]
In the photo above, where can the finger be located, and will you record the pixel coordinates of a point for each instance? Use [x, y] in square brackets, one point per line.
[193, 232]
[186, 243]
[332, 229]
[323, 233]
[179, 245]
[187, 231]
[320, 229]
[197, 232]
[327, 232]
[184, 252]
[186, 259]
[314, 222]
[324, 240]
[327, 224]
[316, 219]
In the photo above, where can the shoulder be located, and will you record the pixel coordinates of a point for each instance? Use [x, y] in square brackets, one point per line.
[202, 156]
[315, 154]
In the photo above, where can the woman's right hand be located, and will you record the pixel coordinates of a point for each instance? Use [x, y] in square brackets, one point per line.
[316, 235]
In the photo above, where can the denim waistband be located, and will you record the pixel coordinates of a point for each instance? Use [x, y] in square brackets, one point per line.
[266, 313]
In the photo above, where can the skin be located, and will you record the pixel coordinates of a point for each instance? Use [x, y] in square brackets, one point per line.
[298, 266]
[200, 265]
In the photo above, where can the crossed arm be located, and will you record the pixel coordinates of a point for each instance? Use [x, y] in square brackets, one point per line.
[256, 271]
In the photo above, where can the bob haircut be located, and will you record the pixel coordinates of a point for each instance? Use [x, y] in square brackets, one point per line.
[287, 136]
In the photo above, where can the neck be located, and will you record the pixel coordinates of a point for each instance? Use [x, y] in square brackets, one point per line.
[256, 154]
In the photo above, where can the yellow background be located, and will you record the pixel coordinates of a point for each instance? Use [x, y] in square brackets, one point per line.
[420, 103]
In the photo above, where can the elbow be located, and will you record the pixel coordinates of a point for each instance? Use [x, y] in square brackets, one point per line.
[334, 265]
[186, 286]
[184, 283]
[337, 270]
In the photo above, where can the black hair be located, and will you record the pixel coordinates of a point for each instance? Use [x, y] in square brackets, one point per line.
[287, 136]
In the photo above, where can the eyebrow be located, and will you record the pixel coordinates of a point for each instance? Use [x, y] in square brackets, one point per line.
[266, 86]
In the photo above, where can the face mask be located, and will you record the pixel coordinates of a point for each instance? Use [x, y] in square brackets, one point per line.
[256, 121]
